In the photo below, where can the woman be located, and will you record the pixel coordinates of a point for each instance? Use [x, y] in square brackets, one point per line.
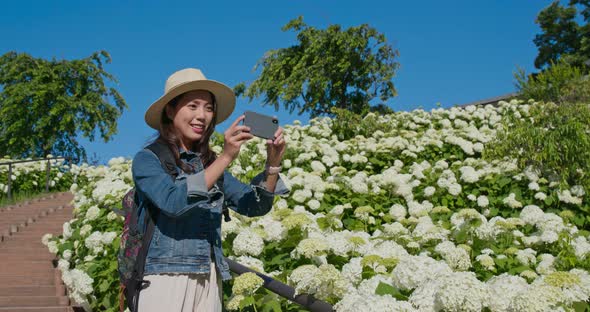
[185, 264]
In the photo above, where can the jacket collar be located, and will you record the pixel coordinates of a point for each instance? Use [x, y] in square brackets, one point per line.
[187, 154]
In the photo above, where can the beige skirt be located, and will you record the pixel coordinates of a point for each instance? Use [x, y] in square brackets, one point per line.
[182, 292]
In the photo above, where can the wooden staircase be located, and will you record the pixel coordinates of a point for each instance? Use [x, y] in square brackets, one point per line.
[29, 280]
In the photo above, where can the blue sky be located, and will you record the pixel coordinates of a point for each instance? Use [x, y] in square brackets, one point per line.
[451, 52]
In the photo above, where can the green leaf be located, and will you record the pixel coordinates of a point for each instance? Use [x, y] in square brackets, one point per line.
[104, 285]
[272, 305]
[518, 269]
[386, 289]
[580, 306]
[248, 301]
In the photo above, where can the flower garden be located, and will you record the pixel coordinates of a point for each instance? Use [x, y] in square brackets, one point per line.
[406, 217]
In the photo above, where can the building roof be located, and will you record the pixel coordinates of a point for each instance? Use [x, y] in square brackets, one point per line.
[493, 100]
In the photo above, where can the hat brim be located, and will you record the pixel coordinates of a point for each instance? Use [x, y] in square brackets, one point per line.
[224, 97]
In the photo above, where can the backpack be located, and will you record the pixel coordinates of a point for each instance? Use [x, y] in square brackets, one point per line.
[134, 244]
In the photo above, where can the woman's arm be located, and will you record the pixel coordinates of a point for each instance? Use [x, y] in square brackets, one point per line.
[255, 199]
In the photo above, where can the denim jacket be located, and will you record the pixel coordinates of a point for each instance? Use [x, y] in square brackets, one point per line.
[188, 216]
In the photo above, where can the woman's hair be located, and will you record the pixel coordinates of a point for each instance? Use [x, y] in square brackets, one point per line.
[167, 135]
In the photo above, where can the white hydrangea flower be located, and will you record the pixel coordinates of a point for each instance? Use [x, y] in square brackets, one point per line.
[247, 242]
[111, 216]
[52, 246]
[318, 167]
[534, 186]
[532, 214]
[92, 213]
[537, 297]
[310, 247]
[354, 302]
[469, 174]
[545, 266]
[461, 291]
[540, 196]
[502, 289]
[85, 229]
[483, 201]
[413, 271]
[578, 190]
[457, 258]
[45, 239]
[398, 212]
[581, 247]
[429, 191]
[486, 261]
[511, 201]
[301, 196]
[567, 197]
[313, 204]
[526, 256]
[67, 255]
[93, 241]
[323, 281]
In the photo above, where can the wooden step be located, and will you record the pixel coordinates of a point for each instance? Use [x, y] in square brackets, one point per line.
[33, 301]
[29, 290]
[37, 309]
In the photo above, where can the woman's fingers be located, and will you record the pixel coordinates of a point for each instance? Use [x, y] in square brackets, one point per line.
[278, 132]
[237, 121]
[242, 136]
[279, 140]
[241, 129]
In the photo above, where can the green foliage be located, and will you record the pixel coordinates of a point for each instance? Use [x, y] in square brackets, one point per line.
[559, 83]
[554, 140]
[326, 68]
[346, 124]
[45, 103]
[562, 36]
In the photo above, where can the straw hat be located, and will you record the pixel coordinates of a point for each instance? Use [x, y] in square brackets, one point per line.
[186, 80]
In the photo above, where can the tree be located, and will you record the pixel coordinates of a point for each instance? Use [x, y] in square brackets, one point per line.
[327, 68]
[44, 104]
[558, 83]
[562, 36]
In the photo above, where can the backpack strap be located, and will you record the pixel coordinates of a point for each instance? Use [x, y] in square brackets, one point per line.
[165, 156]
[224, 209]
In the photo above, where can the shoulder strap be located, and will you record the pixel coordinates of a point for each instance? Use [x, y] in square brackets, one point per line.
[165, 156]
[224, 209]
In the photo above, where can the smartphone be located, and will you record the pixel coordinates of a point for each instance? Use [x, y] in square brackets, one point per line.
[262, 126]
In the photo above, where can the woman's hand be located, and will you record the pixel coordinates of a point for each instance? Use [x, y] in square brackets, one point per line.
[275, 149]
[234, 137]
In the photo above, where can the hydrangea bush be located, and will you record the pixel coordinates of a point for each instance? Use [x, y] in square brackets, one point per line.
[30, 177]
[409, 217]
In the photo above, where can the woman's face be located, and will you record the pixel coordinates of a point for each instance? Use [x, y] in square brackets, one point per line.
[192, 116]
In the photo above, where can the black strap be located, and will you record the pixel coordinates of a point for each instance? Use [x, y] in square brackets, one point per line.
[165, 156]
